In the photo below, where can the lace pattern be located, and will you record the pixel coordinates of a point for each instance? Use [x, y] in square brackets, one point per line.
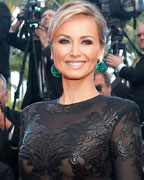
[96, 139]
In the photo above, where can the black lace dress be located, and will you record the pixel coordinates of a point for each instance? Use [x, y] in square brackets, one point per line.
[97, 139]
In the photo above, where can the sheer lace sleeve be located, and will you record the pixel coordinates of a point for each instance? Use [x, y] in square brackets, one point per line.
[127, 147]
[26, 117]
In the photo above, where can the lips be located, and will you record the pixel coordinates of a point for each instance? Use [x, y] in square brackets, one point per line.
[75, 64]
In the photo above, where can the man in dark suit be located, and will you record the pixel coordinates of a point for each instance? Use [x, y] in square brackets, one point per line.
[5, 20]
[9, 136]
[135, 76]
[104, 84]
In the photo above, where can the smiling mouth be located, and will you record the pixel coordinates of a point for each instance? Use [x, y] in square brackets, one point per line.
[75, 64]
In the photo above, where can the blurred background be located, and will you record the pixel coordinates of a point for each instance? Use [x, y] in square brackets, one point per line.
[121, 16]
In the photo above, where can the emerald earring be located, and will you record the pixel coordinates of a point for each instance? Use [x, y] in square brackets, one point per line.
[54, 72]
[101, 66]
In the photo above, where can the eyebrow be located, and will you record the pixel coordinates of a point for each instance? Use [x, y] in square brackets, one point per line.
[62, 35]
[82, 37]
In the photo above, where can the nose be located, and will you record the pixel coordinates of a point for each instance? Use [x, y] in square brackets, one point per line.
[46, 17]
[142, 36]
[75, 49]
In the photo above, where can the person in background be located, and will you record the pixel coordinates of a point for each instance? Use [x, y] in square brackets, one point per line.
[133, 75]
[120, 89]
[82, 134]
[5, 20]
[104, 85]
[9, 136]
[39, 75]
[102, 82]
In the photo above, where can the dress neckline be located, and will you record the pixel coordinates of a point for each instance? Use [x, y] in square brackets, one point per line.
[78, 103]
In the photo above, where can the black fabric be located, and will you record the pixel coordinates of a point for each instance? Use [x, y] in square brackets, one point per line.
[9, 149]
[121, 90]
[6, 172]
[5, 20]
[136, 78]
[33, 93]
[96, 139]
[14, 117]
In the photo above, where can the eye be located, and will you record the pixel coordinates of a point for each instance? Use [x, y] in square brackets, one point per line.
[64, 41]
[87, 42]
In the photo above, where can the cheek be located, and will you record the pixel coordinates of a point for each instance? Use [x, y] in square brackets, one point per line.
[42, 21]
[91, 51]
[55, 54]
[59, 52]
[92, 54]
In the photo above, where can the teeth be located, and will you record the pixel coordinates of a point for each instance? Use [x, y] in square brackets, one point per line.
[75, 62]
[75, 65]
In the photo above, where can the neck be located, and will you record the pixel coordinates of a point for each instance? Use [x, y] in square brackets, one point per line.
[76, 91]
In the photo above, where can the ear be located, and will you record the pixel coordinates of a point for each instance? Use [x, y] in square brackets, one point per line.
[101, 54]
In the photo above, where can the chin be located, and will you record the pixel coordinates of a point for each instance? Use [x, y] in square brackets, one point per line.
[74, 77]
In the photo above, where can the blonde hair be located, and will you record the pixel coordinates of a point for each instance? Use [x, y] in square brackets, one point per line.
[74, 8]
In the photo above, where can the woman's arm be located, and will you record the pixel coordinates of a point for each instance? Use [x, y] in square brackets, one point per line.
[126, 147]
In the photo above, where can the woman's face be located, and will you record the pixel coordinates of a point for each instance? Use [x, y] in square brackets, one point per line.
[76, 47]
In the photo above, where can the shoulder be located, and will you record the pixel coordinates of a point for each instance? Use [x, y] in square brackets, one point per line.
[31, 111]
[121, 106]
[39, 106]
[38, 110]
[122, 101]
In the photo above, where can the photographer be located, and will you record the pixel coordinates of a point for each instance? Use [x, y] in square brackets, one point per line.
[9, 136]
[134, 75]
[36, 59]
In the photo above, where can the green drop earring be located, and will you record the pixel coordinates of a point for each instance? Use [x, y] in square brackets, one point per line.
[101, 66]
[54, 72]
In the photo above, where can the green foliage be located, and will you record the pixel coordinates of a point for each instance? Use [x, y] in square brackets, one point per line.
[16, 62]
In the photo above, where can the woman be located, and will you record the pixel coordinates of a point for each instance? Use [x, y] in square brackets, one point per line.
[82, 135]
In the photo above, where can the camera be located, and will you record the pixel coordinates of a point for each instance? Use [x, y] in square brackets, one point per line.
[119, 10]
[116, 14]
[32, 12]
[32, 17]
